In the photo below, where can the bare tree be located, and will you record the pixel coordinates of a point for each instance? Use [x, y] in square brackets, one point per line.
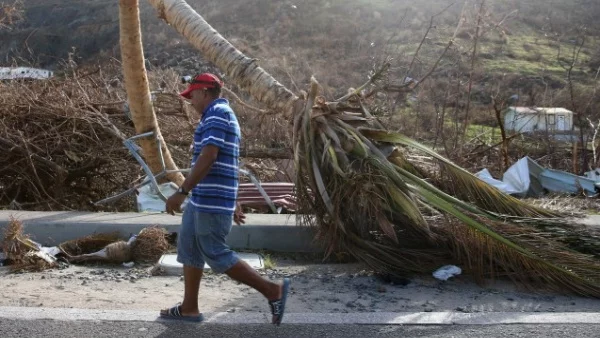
[476, 38]
[10, 13]
[499, 105]
[569, 65]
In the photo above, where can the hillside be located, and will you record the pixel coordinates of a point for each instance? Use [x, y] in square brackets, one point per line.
[335, 40]
[544, 53]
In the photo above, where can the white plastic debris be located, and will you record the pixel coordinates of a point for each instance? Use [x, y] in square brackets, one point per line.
[487, 177]
[515, 181]
[447, 271]
[52, 251]
[129, 264]
[149, 201]
[43, 255]
[46, 253]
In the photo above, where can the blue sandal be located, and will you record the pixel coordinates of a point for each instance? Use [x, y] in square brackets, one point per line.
[174, 313]
[278, 306]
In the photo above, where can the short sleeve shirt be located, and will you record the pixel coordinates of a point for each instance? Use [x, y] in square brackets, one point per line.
[217, 191]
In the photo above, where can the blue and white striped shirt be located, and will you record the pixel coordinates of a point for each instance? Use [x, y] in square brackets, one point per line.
[217, 192]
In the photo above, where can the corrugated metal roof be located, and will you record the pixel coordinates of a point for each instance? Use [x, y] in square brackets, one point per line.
[540, 110]
[281, 194]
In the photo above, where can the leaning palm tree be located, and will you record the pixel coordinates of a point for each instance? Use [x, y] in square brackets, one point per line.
[138, 92]
[367, 199]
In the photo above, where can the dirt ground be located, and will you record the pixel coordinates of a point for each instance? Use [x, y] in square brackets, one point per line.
[315, 288]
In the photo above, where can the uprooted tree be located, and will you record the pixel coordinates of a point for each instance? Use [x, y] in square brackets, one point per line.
[357, 185]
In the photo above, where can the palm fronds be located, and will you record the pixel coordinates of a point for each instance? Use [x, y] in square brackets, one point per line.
[21, 251]
[150, 244]
[90, 243]
[379, 208]
[462, 183]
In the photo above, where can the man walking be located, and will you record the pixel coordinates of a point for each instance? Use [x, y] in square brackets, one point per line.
[209, 215]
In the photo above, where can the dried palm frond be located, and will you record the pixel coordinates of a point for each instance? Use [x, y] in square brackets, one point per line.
[532, 261]
[150, 244]
[23, 253]
[375, 207]
[117, 252]
[89, 244]
[463, 186]
[461, 183]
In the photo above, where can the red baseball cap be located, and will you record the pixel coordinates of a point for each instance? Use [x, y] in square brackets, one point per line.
[202, 81]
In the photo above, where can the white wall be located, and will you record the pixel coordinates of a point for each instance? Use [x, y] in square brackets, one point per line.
[528, 122]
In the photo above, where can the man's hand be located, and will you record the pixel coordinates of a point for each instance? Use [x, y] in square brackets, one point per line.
[174, 202]
[238, 215]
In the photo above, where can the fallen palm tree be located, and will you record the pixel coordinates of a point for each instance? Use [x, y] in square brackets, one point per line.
[372, 202]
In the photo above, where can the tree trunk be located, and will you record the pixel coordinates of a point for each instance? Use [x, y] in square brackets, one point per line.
[138, 90]
[498, 109]
[242, 70]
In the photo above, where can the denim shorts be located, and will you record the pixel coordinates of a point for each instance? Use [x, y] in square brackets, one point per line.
[202, 240]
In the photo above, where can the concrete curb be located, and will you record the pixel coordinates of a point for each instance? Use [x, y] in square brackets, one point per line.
[261, 231]
[368, 318]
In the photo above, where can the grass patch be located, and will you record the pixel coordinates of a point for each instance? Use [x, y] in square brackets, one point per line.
[487, 134]
[528, 52]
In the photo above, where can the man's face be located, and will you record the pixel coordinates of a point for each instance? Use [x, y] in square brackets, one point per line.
[200, 100]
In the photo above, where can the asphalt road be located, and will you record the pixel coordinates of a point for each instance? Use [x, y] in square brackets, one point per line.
[63, 329]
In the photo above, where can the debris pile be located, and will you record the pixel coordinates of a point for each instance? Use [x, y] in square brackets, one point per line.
[23, 254]
[62, 138]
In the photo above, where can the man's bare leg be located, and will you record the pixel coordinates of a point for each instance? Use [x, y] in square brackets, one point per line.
[244, 273]
[191, 278]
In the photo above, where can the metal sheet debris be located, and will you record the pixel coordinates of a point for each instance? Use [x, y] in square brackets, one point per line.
[521, 179]
[526, 178]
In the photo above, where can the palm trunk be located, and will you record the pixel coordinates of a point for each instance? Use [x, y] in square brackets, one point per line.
[242, 70]
[138, 90]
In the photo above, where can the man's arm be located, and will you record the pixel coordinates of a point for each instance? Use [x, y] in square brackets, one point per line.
[201, 167]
